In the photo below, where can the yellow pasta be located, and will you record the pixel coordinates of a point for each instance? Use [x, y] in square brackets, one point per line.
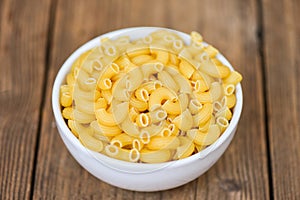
[142, 120]
[105, 118]
[203, 115]
[133, 114]
[231, 100]
[160, 95]
[141, 59]
[68, 113]
[151, 86]
[137, 144]
[233, 78]
[186, 69]
[212, 52]
[104, 83]
[135, 79]
[130, 128]
[142, 94]
[81, 94]
[100, 103]
[82, 117]
[90, 142]
[111, 70]
[185, 149]
[137, 50]
[161, 55]
[196, 37]
[207, 138]
[66, 99]
[109, 130]
[183, 83]
[149, 100]
[184, 121]
[159, 142]
[168, 81]
[228, 89]
[154, 129]
[158, 115]
[85, 106]
[149, 69]
[224, 113]
[172, 107]
[148, 156]
[195, 106]
[122, 140]
[138, 104]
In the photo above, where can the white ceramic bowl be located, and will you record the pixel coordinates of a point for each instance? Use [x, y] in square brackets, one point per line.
[139, 176]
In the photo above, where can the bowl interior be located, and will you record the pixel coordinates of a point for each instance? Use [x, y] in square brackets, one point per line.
[135, 33]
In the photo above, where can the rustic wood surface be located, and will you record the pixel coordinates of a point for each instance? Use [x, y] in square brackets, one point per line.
[281, 43]
[259, 37]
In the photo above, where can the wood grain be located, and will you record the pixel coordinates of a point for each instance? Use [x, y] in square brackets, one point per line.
[23, 37]
[242, 171]
[281, 49]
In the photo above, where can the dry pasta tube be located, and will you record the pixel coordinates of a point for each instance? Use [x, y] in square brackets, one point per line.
[68, 113]
[203, 97]
[138, 104]
[207, 138]
[231, 100]
[183, 83]
[154, 129]
[205, 126]
[105, 118]
[143, 120]
[85, 106]
[90, 142]
[161, 55]
[204, 114]
[83, 118]
[109, 130]
[137, 144]
[212, 52]
[151, 86]
[149, 156]
[88, 95]
[172, 108]
[122, 154]
[185, 149]
[159, 95]
[224, 113]
[122, 140]
[158, 142]
[66, 99]
[184, 121]
[186, 69]
[168, 81]
[234, 78]
[81, 59]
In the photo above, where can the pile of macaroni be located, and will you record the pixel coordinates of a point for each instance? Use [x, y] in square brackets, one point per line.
[150, 100]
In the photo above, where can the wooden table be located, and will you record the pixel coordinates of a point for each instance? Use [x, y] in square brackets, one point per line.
[261, 38]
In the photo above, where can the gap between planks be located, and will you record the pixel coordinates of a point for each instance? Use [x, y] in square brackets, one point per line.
[261, 46]
[52, 11]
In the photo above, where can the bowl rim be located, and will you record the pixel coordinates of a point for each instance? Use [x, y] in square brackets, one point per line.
[65, 68]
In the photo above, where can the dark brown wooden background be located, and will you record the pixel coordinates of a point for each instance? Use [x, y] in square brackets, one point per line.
[261, 38]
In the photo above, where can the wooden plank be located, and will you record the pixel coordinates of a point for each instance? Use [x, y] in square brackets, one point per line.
[282, 44]
[242, 171]
[59, 176]
[23, 38]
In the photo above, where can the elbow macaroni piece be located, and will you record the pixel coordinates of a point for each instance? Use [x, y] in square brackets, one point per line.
[150, 100]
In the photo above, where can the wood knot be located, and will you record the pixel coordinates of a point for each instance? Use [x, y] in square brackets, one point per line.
[230, 185]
